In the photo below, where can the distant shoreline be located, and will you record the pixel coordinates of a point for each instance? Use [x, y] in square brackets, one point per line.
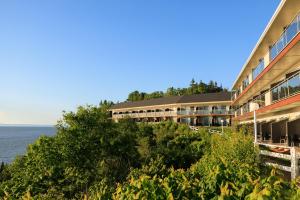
[26, 125]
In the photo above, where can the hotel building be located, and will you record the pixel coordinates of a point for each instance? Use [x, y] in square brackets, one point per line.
[269, 82]
[211, 109]
[268, 86]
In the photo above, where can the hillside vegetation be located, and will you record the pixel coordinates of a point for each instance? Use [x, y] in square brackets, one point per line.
[92, 157]
[193, 88]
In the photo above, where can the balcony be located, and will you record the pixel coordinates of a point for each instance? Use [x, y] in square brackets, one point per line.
[284, 52]
[146, 114]
[221, 112]
[206, 112]
[285, 89]
[290, 32]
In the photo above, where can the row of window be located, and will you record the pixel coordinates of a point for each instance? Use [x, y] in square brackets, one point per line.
[200, 108]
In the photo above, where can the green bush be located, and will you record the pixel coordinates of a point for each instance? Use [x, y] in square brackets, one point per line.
[92, 157]
[87, 148]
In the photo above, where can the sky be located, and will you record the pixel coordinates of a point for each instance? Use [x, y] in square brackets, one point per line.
[58, 54]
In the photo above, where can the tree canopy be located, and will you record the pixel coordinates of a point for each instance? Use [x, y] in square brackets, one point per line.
[194, 88]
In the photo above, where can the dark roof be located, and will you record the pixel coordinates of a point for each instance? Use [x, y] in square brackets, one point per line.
[209, 97]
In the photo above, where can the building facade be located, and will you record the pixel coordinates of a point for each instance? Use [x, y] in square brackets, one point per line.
[266, 93]
[212, 109]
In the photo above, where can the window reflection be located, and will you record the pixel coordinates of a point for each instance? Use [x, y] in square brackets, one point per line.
[285, 38]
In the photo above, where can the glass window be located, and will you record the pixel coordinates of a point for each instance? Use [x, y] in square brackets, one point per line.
[273, 52]
[245, 82]
[282, 90]
[205, 121]
[246, 108]
[260, 100]
[280, 44]
[291, 31]
[258, 69]
[294, 85]
[275, 94]
[298, 22]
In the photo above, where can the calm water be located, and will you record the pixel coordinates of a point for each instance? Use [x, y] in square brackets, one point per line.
[14, 139]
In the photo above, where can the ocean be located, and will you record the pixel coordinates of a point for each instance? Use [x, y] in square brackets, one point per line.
[15, 139]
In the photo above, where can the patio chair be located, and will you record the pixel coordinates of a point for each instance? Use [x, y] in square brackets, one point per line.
[283, 139]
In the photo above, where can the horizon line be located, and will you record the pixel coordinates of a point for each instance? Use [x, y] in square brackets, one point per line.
[3, 124]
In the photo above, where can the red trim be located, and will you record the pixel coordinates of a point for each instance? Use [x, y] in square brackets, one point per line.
[271, 64]
[278, 104]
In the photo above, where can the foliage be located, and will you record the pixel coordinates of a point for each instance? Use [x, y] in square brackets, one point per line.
[244, 128]
[91, 157]
[229, 170]
[87, 148]
[194, 88]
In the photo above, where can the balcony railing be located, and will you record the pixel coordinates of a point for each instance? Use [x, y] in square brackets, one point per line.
[286, 37]
[284, 89]
[202, 112]
[258, 69]
[205, 112]
[172, 113]
[185, 112]
[220, 111]
[146, 114]
[290, 32]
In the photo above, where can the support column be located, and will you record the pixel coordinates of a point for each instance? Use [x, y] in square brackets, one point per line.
[294, 163]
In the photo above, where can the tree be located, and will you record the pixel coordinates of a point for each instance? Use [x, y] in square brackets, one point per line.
[194, 88]
[88, 148]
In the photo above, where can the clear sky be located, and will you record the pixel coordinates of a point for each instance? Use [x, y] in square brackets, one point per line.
[58, 54]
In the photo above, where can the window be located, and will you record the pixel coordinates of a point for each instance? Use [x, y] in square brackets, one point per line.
[246, 108]
[275, 94]
[291, 31]
[245, 82]
[258, 69]
[282, 90]
[294, 85]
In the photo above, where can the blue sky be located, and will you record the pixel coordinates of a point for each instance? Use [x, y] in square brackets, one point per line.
[58, 54]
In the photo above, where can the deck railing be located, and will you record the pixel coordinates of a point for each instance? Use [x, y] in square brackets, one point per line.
[146, 114]
[173, 113]
[289, 33]
[205, 112]
[282, 90]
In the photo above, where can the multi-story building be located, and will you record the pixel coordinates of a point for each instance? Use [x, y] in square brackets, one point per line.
[268, 86]
[270, 79]
[211, 109]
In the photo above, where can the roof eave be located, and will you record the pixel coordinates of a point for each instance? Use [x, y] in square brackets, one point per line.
[259, 41]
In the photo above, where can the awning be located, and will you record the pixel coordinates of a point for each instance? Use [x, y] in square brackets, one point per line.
[247, 122]
[282, 118]
[294, 118]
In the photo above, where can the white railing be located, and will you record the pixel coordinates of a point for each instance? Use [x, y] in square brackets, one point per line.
[146, 114]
